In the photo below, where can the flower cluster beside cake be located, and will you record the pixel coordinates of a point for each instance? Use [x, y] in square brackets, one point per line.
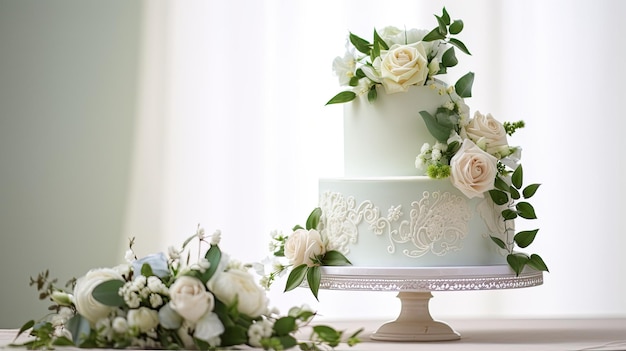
[168, 301]
[427, 183]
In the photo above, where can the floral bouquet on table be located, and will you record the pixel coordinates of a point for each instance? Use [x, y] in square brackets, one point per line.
[166, 302]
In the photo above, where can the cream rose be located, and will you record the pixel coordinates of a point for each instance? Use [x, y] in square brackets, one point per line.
[473, 171]
[237, 284]
[303, 245]
[86, 305]
[488, 134]
[143, 318]
[402, 66]
[189, 298]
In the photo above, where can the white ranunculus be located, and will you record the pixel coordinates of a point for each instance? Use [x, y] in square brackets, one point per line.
[189, 298]
[402, 66]
[237, 284]
[304, 245]
[86, 305]
[208, 327]
[473, 171]
[143, 318]
[488, 134]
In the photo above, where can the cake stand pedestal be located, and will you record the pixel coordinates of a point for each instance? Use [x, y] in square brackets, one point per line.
[414, 286]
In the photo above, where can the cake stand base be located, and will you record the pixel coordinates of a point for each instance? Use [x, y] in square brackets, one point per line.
[415, 322]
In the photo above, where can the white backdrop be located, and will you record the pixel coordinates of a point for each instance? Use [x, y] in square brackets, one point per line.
[233, 133]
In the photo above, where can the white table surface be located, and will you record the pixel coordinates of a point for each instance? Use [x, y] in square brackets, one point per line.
[490, 334]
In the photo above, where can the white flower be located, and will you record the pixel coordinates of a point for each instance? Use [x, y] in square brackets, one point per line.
[169, 318]
[62, 332]
[237, 284]
[156, 285]
[488, 134]
[473, 171]
[402, 66]
[216, 238]
[208, 327]
[173, 253]
[303, 246]
[155, 300]
[258, 331]
[143, 318]
[62, 298]
[86, 305]
[190, 299]
[200, 233]
[119, 325]
[392, 35]
[129, 256]
[344, 68]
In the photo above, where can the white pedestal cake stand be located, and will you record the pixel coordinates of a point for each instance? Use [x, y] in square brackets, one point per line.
[414, 286]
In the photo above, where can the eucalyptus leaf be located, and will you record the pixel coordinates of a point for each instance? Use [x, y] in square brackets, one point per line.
[296, 277]
[79, 327]
[441, 133]
[518, 177]
[107, 293]
[314, 277]
[530, 190]
[517, 261]
[499, 197]
[360, 44]
[459, 44]
[449, 58]
[526, 210]
[537, 263]
[463, 86]
[525, 238]
[498, 242]
[456, 27]
[344, 96]
[314, 219]
[335, 258]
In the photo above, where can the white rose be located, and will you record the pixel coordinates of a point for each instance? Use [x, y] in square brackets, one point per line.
[241, 285]
[402, 66]
[304, 245]
[189, 298]
[143, 318]
[86, 305]
[488, 134]
[473, 171]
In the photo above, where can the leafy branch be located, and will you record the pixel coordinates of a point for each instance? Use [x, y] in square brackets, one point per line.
[517, 206]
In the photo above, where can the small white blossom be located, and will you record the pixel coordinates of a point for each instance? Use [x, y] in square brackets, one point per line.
[436, 155]
[156, 300]
[129, 256]
[173, 253]
[200, 233]
[425, 148]
[217, 236]
[258, 331]
[120, 325]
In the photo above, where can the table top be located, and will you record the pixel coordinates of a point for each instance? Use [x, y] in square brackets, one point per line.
[488, 334]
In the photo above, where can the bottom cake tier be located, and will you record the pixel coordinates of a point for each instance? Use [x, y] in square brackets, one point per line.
[410, 222]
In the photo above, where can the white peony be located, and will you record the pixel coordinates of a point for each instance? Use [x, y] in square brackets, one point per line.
[402, 66]
[488, 134]
[86, 305]
[302, 246]
[190, 299]
[143, 318]
[473, 171]
[237, 284]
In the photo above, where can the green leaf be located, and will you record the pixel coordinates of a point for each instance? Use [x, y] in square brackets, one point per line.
[456, 27]
[498, 242]
[79, 327]
[525, 238]
[379, 44]
[328, 334]
[514, 193]
[335, 258]
[344, 96]
[517, 261]
[360, 44]
[25, 327]
[499, 197]
[459, 44]
[214, 256]
[372, 94]
[62, 341]
[443, 28]
[449, 58]
[518, 177]
[509, 214]
[445, 17]
[354, 81]
[107, 293]
[146, 270]
[526, 210]
[530, 190]
[434, 35]
[285, 325]
[537, 263]
[463, 86]
[441, 133]
[296, 227]
[501, 184]
[314, 219]
[296, 276]
[314, 277]
[236, 335]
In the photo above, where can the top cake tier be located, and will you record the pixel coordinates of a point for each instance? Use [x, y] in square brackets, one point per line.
[383, 138]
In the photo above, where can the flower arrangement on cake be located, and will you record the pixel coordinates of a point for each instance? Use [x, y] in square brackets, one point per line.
[165, 301]
[473, 152]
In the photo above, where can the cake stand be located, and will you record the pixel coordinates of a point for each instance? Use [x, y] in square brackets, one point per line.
[414, 287]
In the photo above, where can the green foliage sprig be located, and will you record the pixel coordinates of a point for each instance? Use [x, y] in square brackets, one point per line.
[517, 206]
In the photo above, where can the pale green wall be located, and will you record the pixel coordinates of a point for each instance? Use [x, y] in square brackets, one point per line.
[68, 73]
